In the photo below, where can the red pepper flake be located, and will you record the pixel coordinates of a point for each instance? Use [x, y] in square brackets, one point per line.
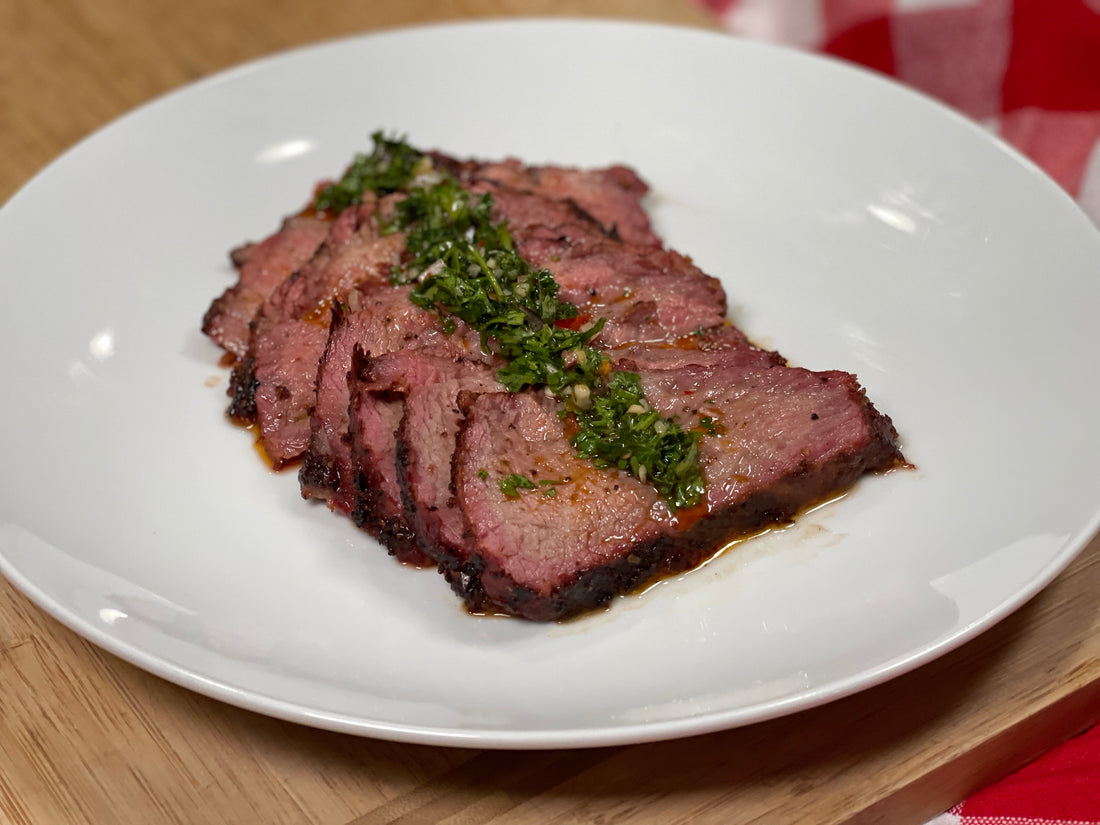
[572, 323]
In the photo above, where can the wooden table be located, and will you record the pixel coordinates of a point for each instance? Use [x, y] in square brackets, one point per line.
[86, 738]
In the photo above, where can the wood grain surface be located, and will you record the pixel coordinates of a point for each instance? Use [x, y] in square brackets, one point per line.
[87, 738]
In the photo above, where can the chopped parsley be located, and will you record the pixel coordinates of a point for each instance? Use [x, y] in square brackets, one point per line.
[549, 488]
[466, 267]
[621, 430]
[389, 168]
[511, 485]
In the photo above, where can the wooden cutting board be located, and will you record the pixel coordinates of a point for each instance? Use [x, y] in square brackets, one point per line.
[87, 738]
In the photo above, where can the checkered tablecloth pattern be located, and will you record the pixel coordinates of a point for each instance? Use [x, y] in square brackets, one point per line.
[1060, 788]
[1029, 70]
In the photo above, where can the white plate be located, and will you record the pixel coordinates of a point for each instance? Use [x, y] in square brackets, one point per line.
[855, 225]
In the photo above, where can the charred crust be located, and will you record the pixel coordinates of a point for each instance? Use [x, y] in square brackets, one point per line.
[211, 319]
[465, 580]
[242, 392]
[392, 533]
[592, 590]
[362, 514]
[401, 460]
[360, 366]
[318, 472]
[401, 542]
[483, 588]
[240, 255]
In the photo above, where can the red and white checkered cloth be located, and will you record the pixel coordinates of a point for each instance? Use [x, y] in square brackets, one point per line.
[1060, 788]
[1029, 70]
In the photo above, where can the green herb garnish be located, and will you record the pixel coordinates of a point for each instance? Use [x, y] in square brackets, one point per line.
[389, 168]
[622, 430]
[468, 268]
[465, 266]
[511, 485]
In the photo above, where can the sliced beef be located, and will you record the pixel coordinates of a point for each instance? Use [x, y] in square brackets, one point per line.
[261, 267]
[291, 330]
[374, 418]
[704, 346]
[782, 439]
[718, 347]
[284, 369]
[645, 293]
[426, 385]
[611, 196]
[389, 323]
[356, 254]
[376, 322]
[273, 385]
[403, 426]
[426, 443]
[557, 549]
[403, 420]
[645, 298]
[285, 303]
